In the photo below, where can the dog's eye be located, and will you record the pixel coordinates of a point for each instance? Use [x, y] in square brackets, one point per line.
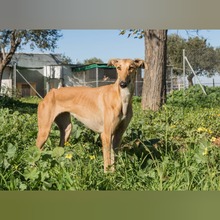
[118, 68]
[130, 68]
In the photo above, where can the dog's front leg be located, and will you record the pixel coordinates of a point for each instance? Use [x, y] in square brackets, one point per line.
[119, 131]
[108, 152]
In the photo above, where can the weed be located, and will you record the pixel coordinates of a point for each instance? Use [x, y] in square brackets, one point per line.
[175, 148]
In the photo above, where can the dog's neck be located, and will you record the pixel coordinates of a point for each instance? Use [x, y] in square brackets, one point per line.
[126, 96]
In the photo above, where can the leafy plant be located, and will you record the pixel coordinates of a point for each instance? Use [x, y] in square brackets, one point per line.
[175, 148]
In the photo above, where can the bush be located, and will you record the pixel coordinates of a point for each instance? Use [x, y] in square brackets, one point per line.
[195, 98]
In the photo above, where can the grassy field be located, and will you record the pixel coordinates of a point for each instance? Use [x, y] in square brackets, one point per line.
[176, 148]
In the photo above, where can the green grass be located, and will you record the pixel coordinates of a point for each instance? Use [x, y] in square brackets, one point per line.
[175, 148]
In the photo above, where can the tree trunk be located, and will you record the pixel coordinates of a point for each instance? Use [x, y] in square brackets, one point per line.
[6, 58]
[1, 75]
[2, 67]
[154, 85]
[190, 79]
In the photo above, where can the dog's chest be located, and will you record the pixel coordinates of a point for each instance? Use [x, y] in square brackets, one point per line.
[125, 97]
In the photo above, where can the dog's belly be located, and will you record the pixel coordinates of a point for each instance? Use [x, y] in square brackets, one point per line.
[92, 123]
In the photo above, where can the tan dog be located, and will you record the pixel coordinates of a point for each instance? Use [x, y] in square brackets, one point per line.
[106, 109]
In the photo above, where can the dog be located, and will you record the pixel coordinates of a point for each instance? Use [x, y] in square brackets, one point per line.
[105, 109]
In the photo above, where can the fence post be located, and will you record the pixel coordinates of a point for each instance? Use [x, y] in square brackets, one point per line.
[14, 77]
[184, 69]
[171, 76]
[136, 85]
[97, 76]
[84, 78]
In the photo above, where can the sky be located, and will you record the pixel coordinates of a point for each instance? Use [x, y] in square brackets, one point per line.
[106, 44]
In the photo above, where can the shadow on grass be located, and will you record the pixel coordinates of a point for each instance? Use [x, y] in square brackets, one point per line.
[147, 149]
[17, 105]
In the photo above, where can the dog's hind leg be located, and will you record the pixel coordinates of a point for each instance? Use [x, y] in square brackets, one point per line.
[63, 121]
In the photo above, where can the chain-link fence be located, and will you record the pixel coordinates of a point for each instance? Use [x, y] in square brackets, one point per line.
[99, 75]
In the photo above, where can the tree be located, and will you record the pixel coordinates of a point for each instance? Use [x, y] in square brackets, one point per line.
[175, 46]
[11, 40]
[154, 84]
[202, 57]
[154, 87]
[66, 59]
[217, 51]
[92, 60]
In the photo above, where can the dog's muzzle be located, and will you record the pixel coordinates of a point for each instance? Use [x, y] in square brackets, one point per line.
[124, 84]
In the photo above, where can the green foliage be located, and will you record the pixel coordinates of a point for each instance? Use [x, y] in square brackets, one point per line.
[43, 39]
[92, 60]
[195, 98]
[175, 148]
[175, 46]
[11, 40]
[136, 33]
[203, 57]
[24, 105]
[66, 59]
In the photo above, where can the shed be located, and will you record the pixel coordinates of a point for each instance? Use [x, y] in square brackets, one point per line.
[31, 74]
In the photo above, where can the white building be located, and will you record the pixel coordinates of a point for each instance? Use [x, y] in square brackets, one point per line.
[32, 74]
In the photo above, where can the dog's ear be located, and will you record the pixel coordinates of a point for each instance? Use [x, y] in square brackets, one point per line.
[140, 63]
[112, 62]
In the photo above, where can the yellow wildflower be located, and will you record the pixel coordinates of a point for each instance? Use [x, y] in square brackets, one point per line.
[67, 144]
[92, 157]
[69, 156]
[213, 139]
[202, 129]
[205, 152]
[209, 131]
[172, 126]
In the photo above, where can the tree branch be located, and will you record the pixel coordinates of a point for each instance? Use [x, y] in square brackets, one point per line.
[14, 43]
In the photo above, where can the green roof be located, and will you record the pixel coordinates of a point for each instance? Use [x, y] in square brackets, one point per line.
[91, 66]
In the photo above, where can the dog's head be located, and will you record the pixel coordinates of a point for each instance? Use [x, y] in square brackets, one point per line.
[127, 69]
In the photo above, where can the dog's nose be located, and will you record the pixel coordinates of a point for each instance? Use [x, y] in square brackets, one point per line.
[123, 84]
